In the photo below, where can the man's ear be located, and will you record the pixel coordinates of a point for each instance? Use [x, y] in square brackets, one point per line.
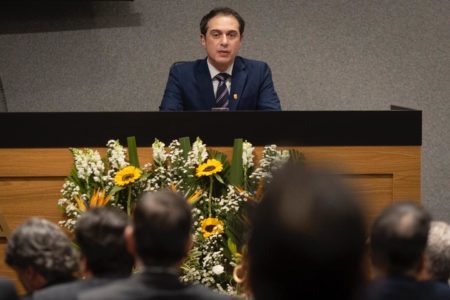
[424, 268]
[84, 268]
[129, 240]
[203, 40]
[34, 280]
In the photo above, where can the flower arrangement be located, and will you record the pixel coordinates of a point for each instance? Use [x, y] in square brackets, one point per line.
[220, 192]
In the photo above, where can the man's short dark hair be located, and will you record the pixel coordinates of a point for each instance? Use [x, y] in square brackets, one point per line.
[162, 222]
[399, 238]
[100, 234]
[221, 11]
[42, 245]
[307, 238]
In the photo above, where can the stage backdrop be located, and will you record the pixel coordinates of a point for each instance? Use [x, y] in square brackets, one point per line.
[324, 54]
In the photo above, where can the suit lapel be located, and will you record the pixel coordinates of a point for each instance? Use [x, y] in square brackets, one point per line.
[204, 85]
[238, 81]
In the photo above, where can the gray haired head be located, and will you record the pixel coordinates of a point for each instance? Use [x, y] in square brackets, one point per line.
[42, 245]
[438, 251]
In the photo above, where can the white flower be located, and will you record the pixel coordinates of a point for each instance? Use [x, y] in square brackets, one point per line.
[218, 269]
[199, 151]
[247, 155]
[116, 155]
[87, 163]
[159, 152]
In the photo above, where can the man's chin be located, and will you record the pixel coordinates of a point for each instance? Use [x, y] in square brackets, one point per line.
[222, 63]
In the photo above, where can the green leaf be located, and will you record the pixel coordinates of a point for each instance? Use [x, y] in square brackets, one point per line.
[132, 151]
[220, 156]
[296, 156]
[219, 179]
[185, 144]
[232, 246]
[116, 189]
[144, 176]
[237, 171]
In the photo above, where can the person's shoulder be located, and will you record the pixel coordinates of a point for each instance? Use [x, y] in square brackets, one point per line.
[183, 65]
[200, 292]
[114, 290]
[439, 290]
[59, 290]
[6, 284]
[250, 62]
[7, 290]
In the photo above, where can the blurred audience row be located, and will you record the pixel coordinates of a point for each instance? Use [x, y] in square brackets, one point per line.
[308, 240]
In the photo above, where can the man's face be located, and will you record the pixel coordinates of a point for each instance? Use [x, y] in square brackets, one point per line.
[222, 41]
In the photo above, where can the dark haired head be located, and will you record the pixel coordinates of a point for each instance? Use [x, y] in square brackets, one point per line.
[399, 238]
[221, 11]
[307, 238]
[100, 235]
[161, 223]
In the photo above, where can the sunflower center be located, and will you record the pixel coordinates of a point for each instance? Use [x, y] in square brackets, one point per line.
[210, 228]
[209, 168]
[127, 177]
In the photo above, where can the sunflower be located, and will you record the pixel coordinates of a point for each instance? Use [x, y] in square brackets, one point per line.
[212, 166]
[211, 226]
[127, 175]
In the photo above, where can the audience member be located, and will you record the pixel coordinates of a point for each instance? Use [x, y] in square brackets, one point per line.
[307, 239]
[41, 254]
[398, 241]
[100, 235]
[159, 239]
[7, 290]
[438, 252]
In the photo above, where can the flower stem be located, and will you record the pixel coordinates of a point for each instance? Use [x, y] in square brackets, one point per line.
[210, 194]
[245, 179]
[129, 201]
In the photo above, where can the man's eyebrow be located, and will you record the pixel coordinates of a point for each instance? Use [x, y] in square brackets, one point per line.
[218, 30]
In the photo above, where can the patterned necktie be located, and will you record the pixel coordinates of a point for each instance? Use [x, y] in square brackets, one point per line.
[222, 94]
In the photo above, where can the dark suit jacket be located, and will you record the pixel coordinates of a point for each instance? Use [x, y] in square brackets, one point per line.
[7, 290]
[70, 291]
[151, 286]
[404, 288]
[190, 87]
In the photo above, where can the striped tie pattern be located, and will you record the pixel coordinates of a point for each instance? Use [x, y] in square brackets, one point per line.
[222, 95]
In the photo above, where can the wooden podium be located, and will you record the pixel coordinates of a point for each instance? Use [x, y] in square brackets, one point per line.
[378, 152]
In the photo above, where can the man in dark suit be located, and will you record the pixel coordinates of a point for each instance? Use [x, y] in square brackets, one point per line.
[7, 290]
[223, 80]
[398, 241]
[100, 236]
[159, 239]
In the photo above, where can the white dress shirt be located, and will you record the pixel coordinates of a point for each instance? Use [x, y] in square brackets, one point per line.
[213, 71]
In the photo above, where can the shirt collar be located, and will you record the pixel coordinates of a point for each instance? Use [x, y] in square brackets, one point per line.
[213, 71]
